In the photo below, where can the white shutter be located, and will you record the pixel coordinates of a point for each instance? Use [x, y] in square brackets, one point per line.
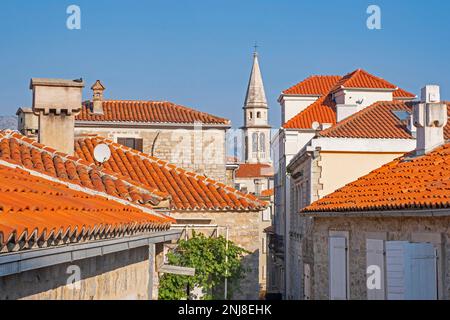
[338, 268]
[375, 257]
[421, 276]
[411, 271]
[395, 269]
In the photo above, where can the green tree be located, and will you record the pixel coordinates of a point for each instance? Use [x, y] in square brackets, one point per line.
[208, 256]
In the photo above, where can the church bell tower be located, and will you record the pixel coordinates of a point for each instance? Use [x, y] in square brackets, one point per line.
[256, 129]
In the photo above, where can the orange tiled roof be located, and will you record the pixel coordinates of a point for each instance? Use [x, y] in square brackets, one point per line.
[37, 212]
[405, 183]
[267, 193]
[400, 93]
[253, 170]
[18, 149]
[322, 111]
[147, 111]
[362, 79]
[189, 191]
[376, 122]
[314, 85]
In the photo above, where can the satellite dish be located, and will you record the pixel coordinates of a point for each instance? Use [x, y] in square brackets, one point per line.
[102, 153]
[315, 125]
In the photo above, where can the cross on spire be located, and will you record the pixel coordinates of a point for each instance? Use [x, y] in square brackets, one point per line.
[256, 48]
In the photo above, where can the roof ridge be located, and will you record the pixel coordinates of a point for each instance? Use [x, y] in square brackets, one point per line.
[178, 169]
[162, 103]
[353, 116]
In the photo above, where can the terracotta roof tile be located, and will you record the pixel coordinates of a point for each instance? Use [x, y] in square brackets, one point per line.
[15, 148]
[403, 94]
[377, 121]
[37, 212]
[253, 170]
[267, 193]
[322, 111]
[147, 111]
[362, 79]
[188, 190]
[405, 183]
[314, 85]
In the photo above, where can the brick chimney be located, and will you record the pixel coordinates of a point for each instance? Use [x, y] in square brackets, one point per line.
[57, 101]
[430, 118]
[97, 99]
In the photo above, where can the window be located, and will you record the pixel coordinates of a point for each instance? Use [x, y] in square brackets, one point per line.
[133, 143]
[254, 142]
[251, 115]
[258, 114]
[262, 142]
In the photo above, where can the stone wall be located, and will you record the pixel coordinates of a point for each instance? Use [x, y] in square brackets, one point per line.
[245, 231]
[305, 187]
[392, 229]
[200, 151]
[121, 275]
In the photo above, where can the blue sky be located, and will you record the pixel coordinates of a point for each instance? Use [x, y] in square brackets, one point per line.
[198, 53]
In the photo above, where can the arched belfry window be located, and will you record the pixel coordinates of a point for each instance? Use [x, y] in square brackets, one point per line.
[262, 142]
[255, 142]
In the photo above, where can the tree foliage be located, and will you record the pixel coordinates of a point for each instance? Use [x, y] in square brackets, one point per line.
[207, 256]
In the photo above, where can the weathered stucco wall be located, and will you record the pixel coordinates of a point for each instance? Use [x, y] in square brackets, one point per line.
[245, 231]
[360, 229]
[121, 275]
[200, 151]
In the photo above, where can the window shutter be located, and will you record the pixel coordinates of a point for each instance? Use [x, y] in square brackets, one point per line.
[375, 257]
[411, 271]
[122, 141]
[138, 144]
[338, 268]
[421, 276]
[395, 269]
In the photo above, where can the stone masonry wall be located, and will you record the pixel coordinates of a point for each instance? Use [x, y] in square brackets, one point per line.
[244, 231]
[200, 151]
[394, 229]
[121, 275]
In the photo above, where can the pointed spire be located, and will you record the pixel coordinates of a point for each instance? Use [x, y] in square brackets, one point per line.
[256, 96]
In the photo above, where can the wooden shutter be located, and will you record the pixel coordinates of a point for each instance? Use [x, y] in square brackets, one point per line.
[421, 276]
[138, 144]
[411, 271]
[338, 268]
[395, 269]
[375, 257]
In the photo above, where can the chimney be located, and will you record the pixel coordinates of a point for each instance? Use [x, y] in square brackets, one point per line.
[430, 118]
[345, 110]
[97, 99]
[56, 102]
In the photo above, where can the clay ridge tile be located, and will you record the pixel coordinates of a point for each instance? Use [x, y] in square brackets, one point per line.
[147, 111]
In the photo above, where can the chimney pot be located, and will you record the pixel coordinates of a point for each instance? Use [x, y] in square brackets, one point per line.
[430, 118]
[97, 89]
